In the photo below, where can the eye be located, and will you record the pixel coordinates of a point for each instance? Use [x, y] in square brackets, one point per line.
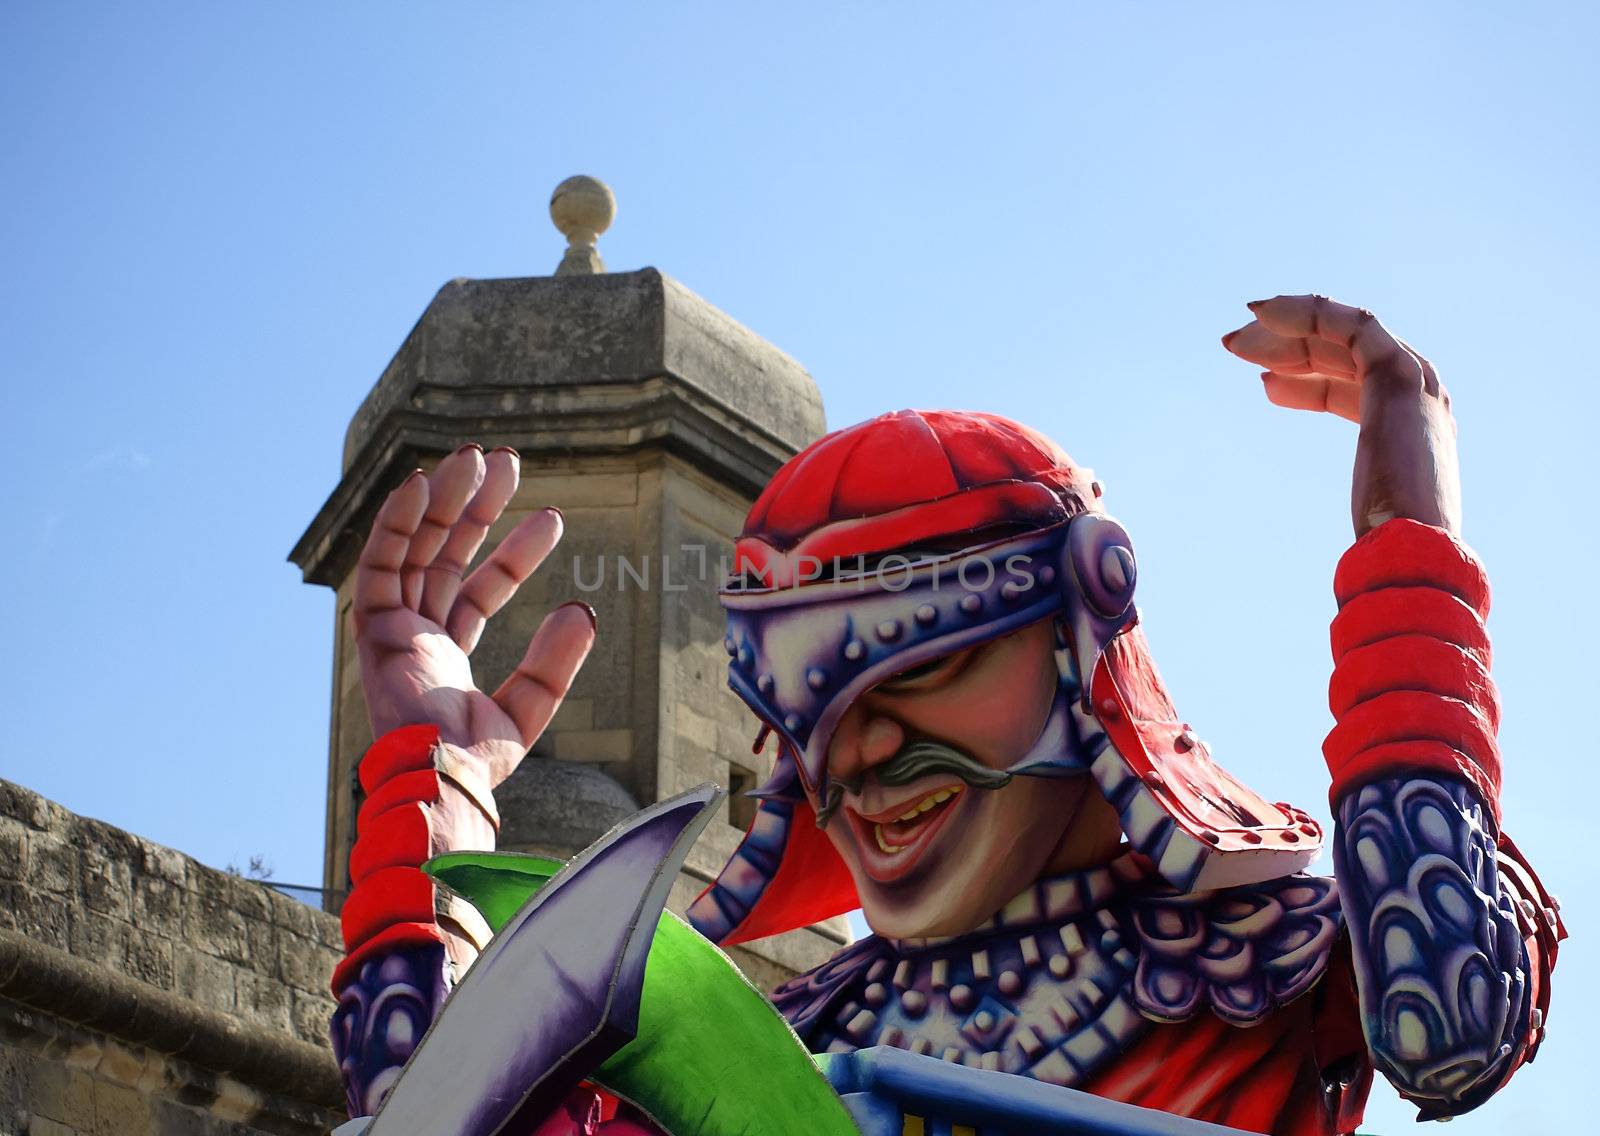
[935, 672]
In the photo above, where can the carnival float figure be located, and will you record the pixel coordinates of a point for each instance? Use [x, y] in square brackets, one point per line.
[1082, 923]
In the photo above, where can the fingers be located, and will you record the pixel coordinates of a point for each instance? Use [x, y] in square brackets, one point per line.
[497, 579]
[451, 486]
[1313, 317]
[556, 651]
[378, 570]
[1289, 354]
[1328, 393]
[502, 470]
[1340, 340]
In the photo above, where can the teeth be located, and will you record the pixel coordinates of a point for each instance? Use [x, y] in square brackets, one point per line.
[890, 849]
[927, 803]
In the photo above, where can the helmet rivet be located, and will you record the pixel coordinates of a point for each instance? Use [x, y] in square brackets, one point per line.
[1047, 575]
[1116, 564]
[1184, 742]
[746, 655]
[1010, 982]
[729, 645]
[926, 614]
[971, 603]
[791, 722]
[764, 684]
[889, 630]
[854, 649]
[1109, 710]
[816, 678]
[1010, 590]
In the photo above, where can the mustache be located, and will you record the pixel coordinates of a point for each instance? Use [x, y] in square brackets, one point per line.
[919, 759]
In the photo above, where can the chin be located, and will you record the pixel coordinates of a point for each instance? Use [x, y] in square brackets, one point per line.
[939, 908]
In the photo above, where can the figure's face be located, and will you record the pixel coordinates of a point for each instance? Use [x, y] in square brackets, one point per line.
[934, 855]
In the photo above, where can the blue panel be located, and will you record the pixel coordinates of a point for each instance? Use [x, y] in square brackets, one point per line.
[995, 1104]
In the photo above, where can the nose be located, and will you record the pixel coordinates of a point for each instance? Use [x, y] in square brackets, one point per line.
[865, 737]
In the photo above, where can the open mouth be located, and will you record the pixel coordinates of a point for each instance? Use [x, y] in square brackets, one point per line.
[892, 842]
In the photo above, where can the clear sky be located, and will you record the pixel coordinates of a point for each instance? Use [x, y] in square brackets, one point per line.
[218, 221]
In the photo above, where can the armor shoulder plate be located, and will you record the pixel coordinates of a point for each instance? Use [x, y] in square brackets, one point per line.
[1245, 950]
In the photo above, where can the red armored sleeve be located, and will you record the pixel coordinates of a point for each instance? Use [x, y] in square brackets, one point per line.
[421, 800]
[1411, 689]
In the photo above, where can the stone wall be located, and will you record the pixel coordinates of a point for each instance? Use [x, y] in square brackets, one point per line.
[143, 992]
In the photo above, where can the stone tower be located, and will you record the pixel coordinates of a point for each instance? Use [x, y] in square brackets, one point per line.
[652, 420]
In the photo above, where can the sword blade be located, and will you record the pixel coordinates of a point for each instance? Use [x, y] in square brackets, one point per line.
[555, 993]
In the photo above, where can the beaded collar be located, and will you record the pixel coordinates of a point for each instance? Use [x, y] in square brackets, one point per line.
[1054, 899]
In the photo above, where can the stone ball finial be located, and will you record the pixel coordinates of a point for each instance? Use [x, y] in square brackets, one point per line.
[582, 208]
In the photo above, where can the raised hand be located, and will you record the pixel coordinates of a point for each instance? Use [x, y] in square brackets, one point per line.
[417, 620]
[1322, 355]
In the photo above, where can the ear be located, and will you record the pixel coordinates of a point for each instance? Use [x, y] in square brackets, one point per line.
[1098, 575]
[1100, 559]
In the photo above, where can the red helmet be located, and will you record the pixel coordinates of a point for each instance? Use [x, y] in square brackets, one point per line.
[921, 533]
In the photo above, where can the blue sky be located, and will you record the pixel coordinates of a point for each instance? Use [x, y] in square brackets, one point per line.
[217, 222]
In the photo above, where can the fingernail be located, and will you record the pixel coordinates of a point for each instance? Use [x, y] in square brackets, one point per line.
[471, 446]
[1254, 304]
[415, 474]
[594, 620]
[506, 450]
[560, 516]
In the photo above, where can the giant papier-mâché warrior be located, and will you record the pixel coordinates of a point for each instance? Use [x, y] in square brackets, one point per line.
[1082, 923]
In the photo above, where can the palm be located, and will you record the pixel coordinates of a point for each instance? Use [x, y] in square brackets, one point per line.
[417, 620]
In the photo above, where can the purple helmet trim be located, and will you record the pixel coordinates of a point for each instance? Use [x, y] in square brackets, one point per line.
[802, 655]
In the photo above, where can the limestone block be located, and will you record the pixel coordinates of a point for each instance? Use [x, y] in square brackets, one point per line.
[34, 913]
[303, 964]
[594, 745]
[63, 1094]
[107, 882]
[97, 938]
[157, 902]
[265, 999]
[310, 1014]
[13, 850]
[203, 978]
[150, 956]
[157, 862]
[53, 862]
[210, 925]
[262, 938]
[293, 916]
[119, 1110]
[25, 806]
[126, 1065]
